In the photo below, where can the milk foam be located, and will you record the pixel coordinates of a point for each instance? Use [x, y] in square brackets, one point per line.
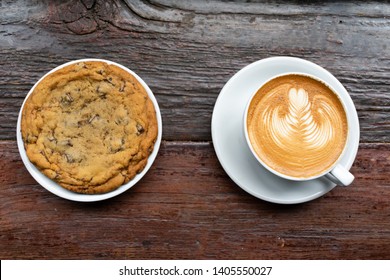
[297, 126]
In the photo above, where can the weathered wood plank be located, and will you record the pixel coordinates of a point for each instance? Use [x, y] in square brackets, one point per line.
[187, 207]
[186, 51]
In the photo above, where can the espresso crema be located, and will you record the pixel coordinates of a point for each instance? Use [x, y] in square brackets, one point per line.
[297, 126]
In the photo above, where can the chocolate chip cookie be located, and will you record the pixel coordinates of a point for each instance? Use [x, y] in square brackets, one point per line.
[89, 126]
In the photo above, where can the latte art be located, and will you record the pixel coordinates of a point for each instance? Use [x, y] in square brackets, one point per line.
[297, 126]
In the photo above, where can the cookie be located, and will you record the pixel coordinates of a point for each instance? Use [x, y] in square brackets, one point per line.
[90, 126]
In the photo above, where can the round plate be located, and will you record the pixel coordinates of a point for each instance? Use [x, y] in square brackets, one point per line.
[229, 141]
[55, 188]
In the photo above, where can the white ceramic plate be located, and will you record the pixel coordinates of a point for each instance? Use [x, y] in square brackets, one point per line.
[52, 186]
[229, 141]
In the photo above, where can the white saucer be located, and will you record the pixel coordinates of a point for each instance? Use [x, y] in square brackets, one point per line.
[232, 150]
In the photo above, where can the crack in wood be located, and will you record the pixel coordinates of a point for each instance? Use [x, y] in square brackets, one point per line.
[151, 12]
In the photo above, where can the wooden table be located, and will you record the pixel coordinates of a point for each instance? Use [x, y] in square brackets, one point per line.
[187, 207]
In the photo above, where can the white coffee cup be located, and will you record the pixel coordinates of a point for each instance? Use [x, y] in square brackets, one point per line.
[336, 173]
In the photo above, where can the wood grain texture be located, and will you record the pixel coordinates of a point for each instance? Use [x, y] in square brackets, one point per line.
[187, 50]
[186, 207]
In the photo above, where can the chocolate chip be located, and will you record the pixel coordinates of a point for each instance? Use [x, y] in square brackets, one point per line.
[69, 159]
[81, 123]
[115, 150]
[82, 64]
[121, 121]
[101, 94]
[116, 144]
[69, 97]
[109, 80]
[66, 142]
[140, 129]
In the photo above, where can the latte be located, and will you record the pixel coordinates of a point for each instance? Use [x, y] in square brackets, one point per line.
[297, 126]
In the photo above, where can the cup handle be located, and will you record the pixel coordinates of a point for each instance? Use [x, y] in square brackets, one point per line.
[340, 176]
